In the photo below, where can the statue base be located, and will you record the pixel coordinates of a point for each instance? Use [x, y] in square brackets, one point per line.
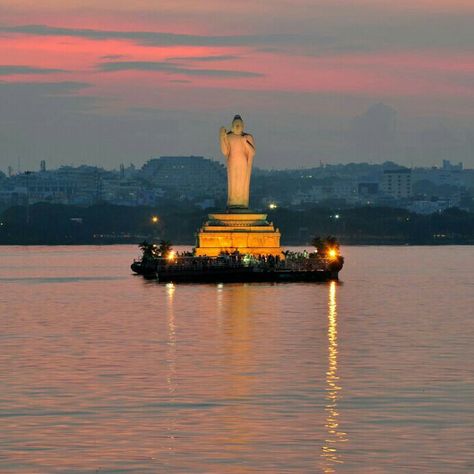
[242, 230]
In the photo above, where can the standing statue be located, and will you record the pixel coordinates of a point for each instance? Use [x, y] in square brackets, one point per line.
[239, 149]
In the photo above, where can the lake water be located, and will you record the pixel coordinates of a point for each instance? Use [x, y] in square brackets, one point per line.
[102, 371]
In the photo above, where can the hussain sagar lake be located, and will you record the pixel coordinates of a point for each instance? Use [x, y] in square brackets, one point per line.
[104, 371]
[239, 245]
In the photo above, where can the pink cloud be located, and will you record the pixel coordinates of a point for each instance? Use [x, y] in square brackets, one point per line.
[401, 73]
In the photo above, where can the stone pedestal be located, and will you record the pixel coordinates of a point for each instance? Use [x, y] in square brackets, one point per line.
[247, 232]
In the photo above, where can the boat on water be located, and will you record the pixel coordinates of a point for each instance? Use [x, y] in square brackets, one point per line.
[234, 267]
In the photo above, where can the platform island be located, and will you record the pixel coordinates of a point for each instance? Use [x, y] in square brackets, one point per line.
[239, 244]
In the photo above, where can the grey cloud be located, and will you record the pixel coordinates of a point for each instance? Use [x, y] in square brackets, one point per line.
[319, 32]
[172, 68]
[180, 81]
[218, 73]
[427, 31]
[9, 70]
[222, 57]
[150, 38]
[113, 56]
[323, 40]
[376, 30]
[46, 88]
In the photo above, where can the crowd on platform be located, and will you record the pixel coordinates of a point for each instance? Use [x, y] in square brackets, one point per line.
[288, 261]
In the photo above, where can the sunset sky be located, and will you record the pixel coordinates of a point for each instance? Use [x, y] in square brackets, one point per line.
[112, 82]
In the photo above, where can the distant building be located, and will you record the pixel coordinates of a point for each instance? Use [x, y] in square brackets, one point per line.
[430, 207]
[44, 187]
[368, 189]
[87, 183]
[447, 175]
[397, 183]
[191, 174]
[66, 185]
[448, 166]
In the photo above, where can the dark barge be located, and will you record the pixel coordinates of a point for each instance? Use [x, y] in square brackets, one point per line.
[295, 267]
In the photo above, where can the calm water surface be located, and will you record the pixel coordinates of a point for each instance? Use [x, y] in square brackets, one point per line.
[101, 371]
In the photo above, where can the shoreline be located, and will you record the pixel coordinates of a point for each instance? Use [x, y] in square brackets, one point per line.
[284, 245]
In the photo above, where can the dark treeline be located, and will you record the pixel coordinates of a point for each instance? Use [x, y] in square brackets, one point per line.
[51, 224]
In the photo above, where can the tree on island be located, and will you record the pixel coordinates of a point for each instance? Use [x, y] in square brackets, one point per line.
[164, 247]
[152, 251]
[324, 245]
[149, 250]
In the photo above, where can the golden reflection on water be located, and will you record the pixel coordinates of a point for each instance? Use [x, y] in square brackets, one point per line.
[171, 362]
[234, 310]
[330, 453]
[171, 353]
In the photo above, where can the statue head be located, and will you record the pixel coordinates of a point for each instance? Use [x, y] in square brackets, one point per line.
[238, 125]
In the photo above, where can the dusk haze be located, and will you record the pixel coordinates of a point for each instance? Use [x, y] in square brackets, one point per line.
[122, 81]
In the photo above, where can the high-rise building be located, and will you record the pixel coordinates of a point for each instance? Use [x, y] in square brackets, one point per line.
[397, 183]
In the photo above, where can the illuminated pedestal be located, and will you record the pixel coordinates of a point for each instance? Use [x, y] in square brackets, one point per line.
[247, 232]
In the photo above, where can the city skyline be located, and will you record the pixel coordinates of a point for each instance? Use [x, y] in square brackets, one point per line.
[323, 81]
[139, 165]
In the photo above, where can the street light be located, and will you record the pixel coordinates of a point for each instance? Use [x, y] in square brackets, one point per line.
[332, 254]
[155, 219]
[171, 257]
[272, 206]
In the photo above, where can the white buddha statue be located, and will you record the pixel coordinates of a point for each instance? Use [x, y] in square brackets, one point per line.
[239, 149]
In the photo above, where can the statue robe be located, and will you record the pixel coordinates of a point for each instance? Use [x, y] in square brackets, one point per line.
[240, 151]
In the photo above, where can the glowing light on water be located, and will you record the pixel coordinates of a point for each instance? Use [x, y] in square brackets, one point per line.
[334, 435]
[170, 289]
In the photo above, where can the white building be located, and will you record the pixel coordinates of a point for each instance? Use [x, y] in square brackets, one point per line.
[397, 183]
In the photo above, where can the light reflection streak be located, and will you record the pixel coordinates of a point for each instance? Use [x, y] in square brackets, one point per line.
[220, 304]
[234, 308]
[334, 435]
[171, 353]
[171, 362]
